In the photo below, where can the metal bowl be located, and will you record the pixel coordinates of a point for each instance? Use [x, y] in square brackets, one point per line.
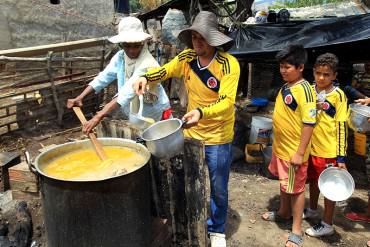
[358, 117]
[336, 184]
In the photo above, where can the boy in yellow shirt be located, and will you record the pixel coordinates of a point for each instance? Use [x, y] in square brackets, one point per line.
[293, 121]
[329, 139]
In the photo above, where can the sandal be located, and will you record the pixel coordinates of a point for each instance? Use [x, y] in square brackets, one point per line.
[295, 239]
[357, 217]
[273, 216]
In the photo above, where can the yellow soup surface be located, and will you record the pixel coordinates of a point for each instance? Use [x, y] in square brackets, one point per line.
[84, 164]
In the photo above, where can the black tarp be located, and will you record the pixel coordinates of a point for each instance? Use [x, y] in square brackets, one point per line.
[347, 37]
[252, 40]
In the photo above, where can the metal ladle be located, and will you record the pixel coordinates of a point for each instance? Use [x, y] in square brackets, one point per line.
[138, 119]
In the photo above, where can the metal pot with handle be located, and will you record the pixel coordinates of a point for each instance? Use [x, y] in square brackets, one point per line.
[164, 139]
[111, 211]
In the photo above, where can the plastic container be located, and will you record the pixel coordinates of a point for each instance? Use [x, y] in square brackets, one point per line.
[259, 102]
[261, 128]
[267, 154]
[253, 153]
[358, 117]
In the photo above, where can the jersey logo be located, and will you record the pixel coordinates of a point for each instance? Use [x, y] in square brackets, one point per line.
[329, 108]
[206, 77]
[325, 106]
[288, 99]
[312, 113]
[212, 82]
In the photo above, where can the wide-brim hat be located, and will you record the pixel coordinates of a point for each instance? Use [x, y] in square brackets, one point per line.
[206, 24]
[130, 30]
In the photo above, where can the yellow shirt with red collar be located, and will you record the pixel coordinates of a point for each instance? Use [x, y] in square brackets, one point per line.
[212, 89]
[294, 107]
[329, 138]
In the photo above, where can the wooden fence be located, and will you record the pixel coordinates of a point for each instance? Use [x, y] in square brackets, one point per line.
[35, 82]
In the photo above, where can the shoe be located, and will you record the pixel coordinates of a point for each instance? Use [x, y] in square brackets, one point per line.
[319, 230]
[217, 239]
[357, 217]
[341, 204]
[310, 214]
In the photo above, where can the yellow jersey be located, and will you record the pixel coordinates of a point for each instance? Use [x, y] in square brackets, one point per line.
[210, 89]
[329, 138]
[294, 107]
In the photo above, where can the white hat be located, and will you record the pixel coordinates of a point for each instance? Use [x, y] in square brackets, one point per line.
[130, 30]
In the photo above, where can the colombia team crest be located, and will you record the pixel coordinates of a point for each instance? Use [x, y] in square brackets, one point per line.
[288, 99]
[212, 82]
[325, 106]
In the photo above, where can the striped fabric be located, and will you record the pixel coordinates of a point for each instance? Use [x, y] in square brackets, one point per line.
[291, 178]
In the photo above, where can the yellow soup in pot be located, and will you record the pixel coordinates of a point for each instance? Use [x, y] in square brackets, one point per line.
[85, 165]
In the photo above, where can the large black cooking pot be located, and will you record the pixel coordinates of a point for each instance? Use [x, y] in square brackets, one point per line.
[114, 212]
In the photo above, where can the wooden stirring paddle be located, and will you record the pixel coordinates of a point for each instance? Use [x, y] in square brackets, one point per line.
[97, 145]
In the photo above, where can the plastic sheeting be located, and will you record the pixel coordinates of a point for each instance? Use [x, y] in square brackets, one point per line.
[272, 37]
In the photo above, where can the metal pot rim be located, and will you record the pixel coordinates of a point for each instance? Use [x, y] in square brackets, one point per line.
[40, 172]
[159, 123]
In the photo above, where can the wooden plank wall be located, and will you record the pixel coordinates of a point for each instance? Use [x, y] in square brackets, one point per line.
[35, 82]
[27, 107]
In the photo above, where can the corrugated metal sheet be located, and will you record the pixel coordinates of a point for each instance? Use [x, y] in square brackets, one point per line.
[346, 8]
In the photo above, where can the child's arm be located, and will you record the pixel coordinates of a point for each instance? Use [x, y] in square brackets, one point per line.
[297, 158]
[341, 128]
[307, 104]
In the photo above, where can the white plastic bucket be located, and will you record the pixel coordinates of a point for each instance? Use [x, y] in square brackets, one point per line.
[261, 128]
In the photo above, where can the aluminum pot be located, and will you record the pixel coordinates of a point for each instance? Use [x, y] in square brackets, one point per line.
[336, 184]
[165, 139]
[358, 117]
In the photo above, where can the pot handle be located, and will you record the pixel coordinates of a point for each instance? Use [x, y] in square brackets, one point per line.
[183, 123]
[141, 102]
[140, 140]
[31, 166]
[329, 165]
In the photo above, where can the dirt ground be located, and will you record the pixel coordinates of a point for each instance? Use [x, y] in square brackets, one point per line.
[250, 194]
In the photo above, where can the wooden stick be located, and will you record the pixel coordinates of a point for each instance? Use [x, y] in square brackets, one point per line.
[60, 110]
[98, 147]
[44, 59]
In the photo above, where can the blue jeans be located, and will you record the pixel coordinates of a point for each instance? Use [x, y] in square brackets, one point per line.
[218, 159]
